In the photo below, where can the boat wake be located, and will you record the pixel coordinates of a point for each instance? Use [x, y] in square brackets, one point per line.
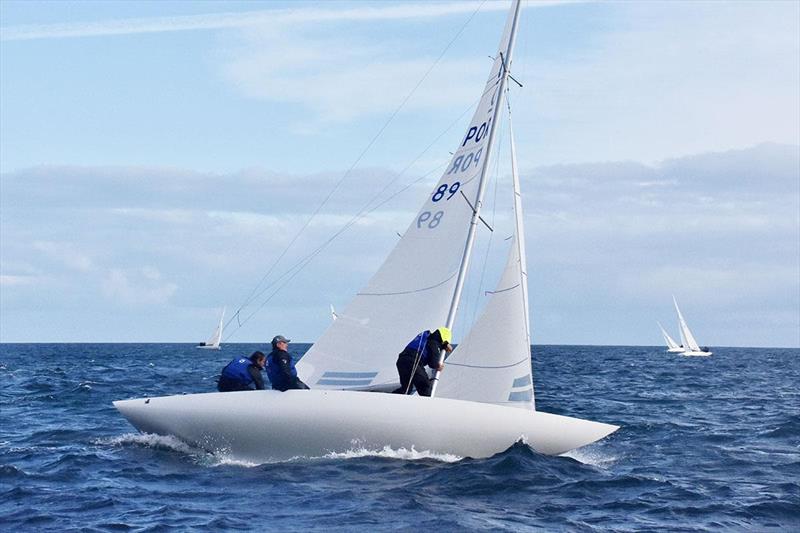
[401, 453]
[224, 458]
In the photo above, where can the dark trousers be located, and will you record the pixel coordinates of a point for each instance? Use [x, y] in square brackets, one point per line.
[228, 385]
[420, 380]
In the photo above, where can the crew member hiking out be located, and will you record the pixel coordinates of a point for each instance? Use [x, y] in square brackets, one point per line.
[424, 350]
[243, 374]
[280, 366]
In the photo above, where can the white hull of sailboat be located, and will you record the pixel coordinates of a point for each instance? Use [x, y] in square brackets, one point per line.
[675, 350]
[692, 353]
[207, 347]
[265, 426]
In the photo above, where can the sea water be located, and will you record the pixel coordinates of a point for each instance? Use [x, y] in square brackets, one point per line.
[705, 444]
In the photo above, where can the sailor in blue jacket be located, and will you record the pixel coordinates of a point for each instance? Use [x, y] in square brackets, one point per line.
[243, 374]
[280, 366]
[424, 350]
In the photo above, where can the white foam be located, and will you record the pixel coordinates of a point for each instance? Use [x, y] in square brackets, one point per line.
[224, 458]
[593, 457]
[390, 453]
[151, 441]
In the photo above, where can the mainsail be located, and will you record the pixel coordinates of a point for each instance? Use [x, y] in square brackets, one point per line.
[686, 333]
[414, 288]
[493, 363]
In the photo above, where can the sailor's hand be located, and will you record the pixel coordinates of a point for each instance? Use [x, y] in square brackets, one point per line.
[441, 367]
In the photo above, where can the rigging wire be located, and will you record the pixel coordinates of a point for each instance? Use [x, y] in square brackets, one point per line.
[302, 263]
[254, 293]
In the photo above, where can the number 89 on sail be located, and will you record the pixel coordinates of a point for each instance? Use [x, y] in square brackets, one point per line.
[431, 220]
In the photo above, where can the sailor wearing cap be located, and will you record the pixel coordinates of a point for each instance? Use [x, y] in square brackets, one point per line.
[280, 366]
[425, 349]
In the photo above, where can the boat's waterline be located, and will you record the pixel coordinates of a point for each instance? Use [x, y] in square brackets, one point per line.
[264, 426]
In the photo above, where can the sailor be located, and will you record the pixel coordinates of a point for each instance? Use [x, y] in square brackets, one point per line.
[425, 349]
[243, 374]
[280, 366]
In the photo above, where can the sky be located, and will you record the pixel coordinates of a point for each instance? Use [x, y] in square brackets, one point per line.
[158, 158]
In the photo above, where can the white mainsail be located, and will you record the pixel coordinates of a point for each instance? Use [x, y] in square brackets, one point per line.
[216, 337]
[493, 363]
[686, 334]
[414, 288]
[671, 344]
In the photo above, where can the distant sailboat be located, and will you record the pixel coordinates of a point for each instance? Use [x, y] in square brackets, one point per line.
[213, 342]
[672, 346]
[687, 339]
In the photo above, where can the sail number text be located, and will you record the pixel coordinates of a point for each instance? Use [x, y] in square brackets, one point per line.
[463, 162]
[431, 220]
[477, 133]
[445, 189]
[425, 218]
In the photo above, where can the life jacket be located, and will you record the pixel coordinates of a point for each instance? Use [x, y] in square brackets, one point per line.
[237, 371]
[274, 373]
[418, 346]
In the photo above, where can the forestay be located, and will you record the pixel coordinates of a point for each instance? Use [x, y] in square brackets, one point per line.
[413, 289]
[493, 363]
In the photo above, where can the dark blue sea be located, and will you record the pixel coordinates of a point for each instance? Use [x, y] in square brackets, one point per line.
[706, 444]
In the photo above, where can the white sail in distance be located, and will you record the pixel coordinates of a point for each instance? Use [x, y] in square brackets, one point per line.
[671, 344]
[686, 333]
[215, 339]
[414, 288]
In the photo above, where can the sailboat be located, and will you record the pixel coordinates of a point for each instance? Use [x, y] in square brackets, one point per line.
[213, 342]
[687, 339]
[483, 401]
[672, 346]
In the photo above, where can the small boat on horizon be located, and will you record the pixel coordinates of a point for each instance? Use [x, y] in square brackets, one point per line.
[687, 339]
[213, 342]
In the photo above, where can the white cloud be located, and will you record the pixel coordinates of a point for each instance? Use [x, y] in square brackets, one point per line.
[266, 19]
[672, 78]
[67, 254]
[702, 228]
[137, 287]
[14, 280]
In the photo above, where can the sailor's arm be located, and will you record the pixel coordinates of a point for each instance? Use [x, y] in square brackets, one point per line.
[258, 379]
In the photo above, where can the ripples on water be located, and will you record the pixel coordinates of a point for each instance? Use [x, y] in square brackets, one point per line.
[706, 443]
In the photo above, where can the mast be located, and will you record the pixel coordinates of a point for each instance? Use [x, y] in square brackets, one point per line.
[505, 58]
